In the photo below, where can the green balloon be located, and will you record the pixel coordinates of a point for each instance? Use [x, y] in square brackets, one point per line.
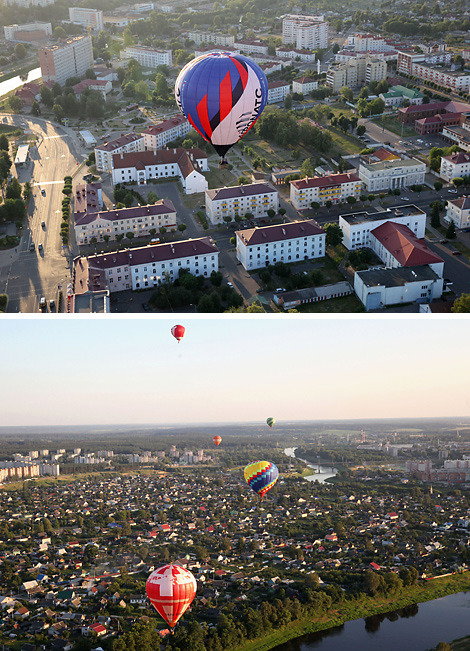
[270, 421]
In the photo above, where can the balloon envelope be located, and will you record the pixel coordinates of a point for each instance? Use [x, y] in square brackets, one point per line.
[178, 332]
[217, 440]
[222, 95]
[261, 476]
[171, 589]
[270, 421]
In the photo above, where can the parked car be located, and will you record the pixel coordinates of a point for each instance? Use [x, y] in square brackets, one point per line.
[145, 307]
[31, 246]
[43, 224]
[39, 247]
[230, 284]
[280, 289]
[404, 198]
[51, 303]
[452, 191]
[443, 241]
[43, 192]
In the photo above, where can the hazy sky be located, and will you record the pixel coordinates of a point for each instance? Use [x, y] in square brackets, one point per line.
[87, 371]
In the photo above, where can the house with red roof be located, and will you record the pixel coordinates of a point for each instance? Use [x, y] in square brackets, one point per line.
[99, 85]
[397, 246]
[455, 166]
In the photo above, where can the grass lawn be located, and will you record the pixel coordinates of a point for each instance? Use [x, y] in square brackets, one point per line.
[344, 143]
[392, 124]
[341, 109]
[464, 250]
[217, 178]
[333, 305]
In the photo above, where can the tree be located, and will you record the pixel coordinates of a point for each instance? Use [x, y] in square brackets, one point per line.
[128, 200]
[14, 189]
[437, 185]
[288, 102]
[46, 96]
[130, 235]
[58, 112]
[314, 205]
[346, 94]
[271, 213]
[361, 130]
[152, 197]
[282, 211]
[435, 217]
[351, 200]
[334, 234]
[461, 304]
[15, 103]
[242, 180]
[20, 51]
[35, 108]
[4, 143]
[450, 232]
[142, 90]
[457, 181]
[182, 227]
[59, 32]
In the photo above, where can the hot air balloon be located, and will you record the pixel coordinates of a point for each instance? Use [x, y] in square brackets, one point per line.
[178, 332]
[217, 440]
[171, 590]
[270, 421]
[222, 95]
[261, 476]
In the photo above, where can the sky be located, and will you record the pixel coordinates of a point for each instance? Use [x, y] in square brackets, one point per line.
[116, 371]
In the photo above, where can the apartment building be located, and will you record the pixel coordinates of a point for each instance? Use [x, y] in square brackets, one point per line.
[294, 53]
[391, 174]
[200, 38]
[290, 242]
[320, 189]
[70, 59]
[131, 142]
[356, 72]
[278, 91]
[144, 167]
[304, 85]
[28, 32]
[146, 266]
[396, 95]
[30, 3]
[148, 57]
[256, 199]
[89, 18]
[159, 135]
[458, 211]
[365, 42]
[455, 166]
[305, 32]
[111, 223]
[357, 226]
[250, 46]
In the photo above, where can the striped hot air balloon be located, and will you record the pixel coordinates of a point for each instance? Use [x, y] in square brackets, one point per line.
[178, 332]
[261, 476]
[270, 421]
[217, 440]
[171, 590]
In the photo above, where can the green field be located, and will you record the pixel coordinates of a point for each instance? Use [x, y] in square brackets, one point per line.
[392, 124]
[333, 305]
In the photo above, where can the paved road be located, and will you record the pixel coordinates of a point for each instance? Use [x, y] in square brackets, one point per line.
[27, 275]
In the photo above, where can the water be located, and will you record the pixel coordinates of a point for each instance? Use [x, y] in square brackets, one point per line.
[325, 473]
[13, 83]
[415, 628]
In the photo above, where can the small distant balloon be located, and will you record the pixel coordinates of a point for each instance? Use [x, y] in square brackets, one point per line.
[217, 440]
[178, 332]
[171, 590]
[270, 421]
[261, 476]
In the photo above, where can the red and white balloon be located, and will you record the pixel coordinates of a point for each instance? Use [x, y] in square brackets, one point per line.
[171, 590]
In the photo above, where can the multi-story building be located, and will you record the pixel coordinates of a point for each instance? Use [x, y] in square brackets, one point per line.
[357, 226]
[305, 32]
[88, 198]
[396, 95]
[99, 85]
[397, 246]
[378, 288]
[365, 42]
[159, 135]
[70, 59]
[410, 114]
[144, 167]
[30, 3]
[248, 46]
[290, 242]
[320, 189]
[294, 53]
[425, 67]
[278, 91]
[304, 85]
[211, 38]
[130, 142]
[356, 72]
[89, 18]
[28, 33]
[391, 174]
[146, 266]
[343, 56]
[256, 199]
[148, 57]
[455, 166]
[458, 211]
[111, 223]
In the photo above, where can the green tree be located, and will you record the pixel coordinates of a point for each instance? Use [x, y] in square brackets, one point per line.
[182, 227]
[4, 143]
[457, 181]
[142, 90]
[152, 197]
[361, 130]
[46, 96]
[334, 234]
[20, 51]
[14, 189]
[461, 304]
[128, 200]
[242, 180]
[59, 32]
[130, 235]
[35, 108]
[288, 102]
[437, 185]
[58, 112]
[450, 232]
[15, 104]
[346, 94]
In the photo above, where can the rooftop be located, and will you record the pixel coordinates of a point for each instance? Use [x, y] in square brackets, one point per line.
[160, 207]
[165, 125]
[236, 191]
[462, 202]
[403, 244]
[279, 232]
[397, 277]
[362, 217]
[391, 164]
[119, 142]
[325, 181]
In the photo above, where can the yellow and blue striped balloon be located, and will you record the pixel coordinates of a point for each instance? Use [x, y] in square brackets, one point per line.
[261, 476]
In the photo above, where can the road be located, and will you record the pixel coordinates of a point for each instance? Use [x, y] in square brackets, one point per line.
[26, 275]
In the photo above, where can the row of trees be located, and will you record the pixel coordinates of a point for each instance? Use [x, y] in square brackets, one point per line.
[285, 129]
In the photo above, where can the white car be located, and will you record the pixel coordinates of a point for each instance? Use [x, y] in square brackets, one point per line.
[230, 284]
[452, 191]
[404, 198]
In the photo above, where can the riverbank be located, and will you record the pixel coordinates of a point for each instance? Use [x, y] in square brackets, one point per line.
[367, 606]
[19, 72]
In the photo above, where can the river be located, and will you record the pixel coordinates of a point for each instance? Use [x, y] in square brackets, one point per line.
[10, 84]
[415, 628]
[322, 476]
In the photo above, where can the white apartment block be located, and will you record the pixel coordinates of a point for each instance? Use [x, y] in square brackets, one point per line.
[290, 242]
[320, 189]
[455, 166]
[147, 166]
[256, 199]
[347, 55]
[365, 42]
[111, 223]
[30, 3]
[159, 135]
[130, 142]
[89, 18]
[357, 226]
[249, 46]
[209, 38]
[278, 91]
[448, 78]
[304, 85]
[69, 59]
[458, 211]
[28, 32]
[148, 57]
[391, 174]
[305, 32]
[292, 53]
[356, 72]
[146, 266]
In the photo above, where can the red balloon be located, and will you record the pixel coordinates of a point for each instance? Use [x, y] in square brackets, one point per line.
[171, 590]
[178, 332]
[217, 440]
